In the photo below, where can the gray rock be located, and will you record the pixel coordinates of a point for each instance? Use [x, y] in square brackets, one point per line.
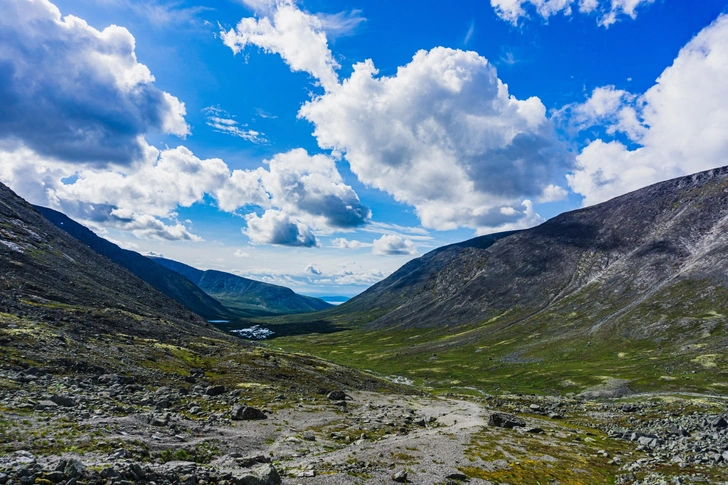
[336, 396]
[246, 413]
[503, 420]
[64, 401]
[215, 390]
[719, 423]
[73, 469]
[400, 476]
[261, 475]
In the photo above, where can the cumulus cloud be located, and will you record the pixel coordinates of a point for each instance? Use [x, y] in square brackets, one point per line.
[241, 254]
[276, 227]
[343, 243]
[442, 135]
[608, 11]
[607, 107]
[552, 193]
[298, 37]
[678, 127]
[74, 93]
[307, 187]
[222, 122]
[393, 245]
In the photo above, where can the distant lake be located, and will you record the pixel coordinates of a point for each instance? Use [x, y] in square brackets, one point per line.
[335, 299]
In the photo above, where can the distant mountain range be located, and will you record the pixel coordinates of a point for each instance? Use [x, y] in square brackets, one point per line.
[163, 279]
[210, 294]
[245, 296]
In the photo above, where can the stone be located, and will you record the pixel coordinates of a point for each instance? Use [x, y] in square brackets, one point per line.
[73, 469]
[261, 475]
[503, 420]
[246, 413]
[535, 430]
[45, 404]
[719, 423]
[54, 476]
[457, 476]
[336, 396]
[64, 401]
[215, 390]
[400, 476]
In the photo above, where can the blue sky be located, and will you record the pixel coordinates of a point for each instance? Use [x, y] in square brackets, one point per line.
[321, 144]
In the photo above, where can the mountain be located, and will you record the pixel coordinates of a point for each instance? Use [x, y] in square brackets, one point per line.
[70, 315]
[243, 295]
[163, 279]
[48, 276]
[654, 255]
[630, 293]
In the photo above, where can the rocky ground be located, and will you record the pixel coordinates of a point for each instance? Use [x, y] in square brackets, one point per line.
[109, 429]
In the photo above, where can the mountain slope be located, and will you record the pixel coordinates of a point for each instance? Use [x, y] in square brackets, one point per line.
[66, 310]
[633, 291]
[163, 279]
[608, 263]
[48, 275]
[245, 295]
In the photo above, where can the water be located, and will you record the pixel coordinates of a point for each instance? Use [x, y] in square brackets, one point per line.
[255, 332]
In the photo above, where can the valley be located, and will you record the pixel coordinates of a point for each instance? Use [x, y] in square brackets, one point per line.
[550, 355]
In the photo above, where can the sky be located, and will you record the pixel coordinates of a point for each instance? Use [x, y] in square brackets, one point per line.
[322, 144]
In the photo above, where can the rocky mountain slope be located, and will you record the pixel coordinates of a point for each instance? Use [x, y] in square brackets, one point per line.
[642, 260]
[628, 295]
[243, 295]
[163, 279]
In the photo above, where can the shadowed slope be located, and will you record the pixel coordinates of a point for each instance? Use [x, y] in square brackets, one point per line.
[163, 279]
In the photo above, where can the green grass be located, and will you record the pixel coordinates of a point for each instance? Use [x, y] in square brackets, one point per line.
[529, 358]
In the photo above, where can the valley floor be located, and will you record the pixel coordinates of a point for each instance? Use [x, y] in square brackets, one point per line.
[109, 429]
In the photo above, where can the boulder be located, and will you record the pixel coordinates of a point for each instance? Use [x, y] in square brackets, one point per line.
[246, 413]
[261, 475]
[336, 396]
[215, 390]
[503, 420]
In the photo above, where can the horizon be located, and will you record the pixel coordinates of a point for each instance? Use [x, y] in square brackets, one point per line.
[320, 147]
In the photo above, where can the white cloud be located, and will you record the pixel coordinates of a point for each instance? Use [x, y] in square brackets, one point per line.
[678, 127]
[392, 245]
[552, 193]
[298, 37]
[343, 243]
[614, 109]
[239, 253]
[73, 93]
[222, 122]
[276, 227]
[442, 135]
[313, 269]
[306, 187]
[608, 10]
